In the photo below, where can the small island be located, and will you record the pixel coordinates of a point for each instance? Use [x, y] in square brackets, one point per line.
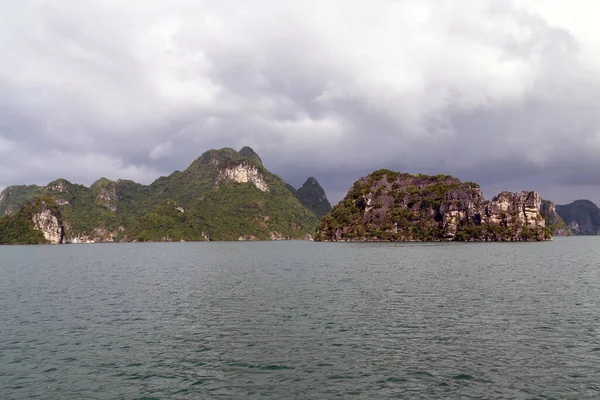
[393, 206]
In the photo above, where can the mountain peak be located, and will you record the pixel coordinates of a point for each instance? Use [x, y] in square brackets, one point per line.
[313, 197]
[100, 183]
[248, 152]
[59, 185]
[311, 181]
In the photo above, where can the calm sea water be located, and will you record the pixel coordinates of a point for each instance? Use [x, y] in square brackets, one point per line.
[301, 320]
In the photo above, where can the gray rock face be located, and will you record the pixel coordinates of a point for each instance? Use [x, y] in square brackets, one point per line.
[244, 173]
[553, 220]
[521, 209]
[49, 223]
[387, 205]
[108, 196]
[581, 216]
[59, 186]
[517, 211]
[10, 210]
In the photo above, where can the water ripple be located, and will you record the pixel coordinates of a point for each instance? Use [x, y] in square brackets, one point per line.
[301, 320]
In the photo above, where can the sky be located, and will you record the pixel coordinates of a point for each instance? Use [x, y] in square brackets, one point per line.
[505, 93]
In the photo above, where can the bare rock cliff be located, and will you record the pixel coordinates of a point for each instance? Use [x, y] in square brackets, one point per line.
[107, 196]
[48, 220]
[554, 221]
[244, 173]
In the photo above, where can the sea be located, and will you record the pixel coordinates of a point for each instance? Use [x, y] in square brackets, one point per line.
[301, 320]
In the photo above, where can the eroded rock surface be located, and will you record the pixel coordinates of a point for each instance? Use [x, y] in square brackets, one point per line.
[48, 221]
[390, 206]
[244, 173]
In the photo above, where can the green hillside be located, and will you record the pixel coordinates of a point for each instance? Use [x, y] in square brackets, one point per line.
[19, 228]
[222, 195]
[14, 197]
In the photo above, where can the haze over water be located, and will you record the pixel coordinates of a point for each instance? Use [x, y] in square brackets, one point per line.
[301, 320]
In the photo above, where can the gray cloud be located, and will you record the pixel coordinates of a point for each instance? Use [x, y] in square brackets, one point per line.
[504, 93]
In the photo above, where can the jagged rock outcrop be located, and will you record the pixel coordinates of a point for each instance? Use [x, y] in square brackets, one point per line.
[519, 209]
[59, 186]
[244, 173]
[37, 222]
[313, 197]
[553, 221]
[47, 220]
[106, 193]
[389, 206]
[581, 216]
[278, 236]
[246, 238]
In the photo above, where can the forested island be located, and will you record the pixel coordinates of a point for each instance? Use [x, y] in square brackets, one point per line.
[229, 195]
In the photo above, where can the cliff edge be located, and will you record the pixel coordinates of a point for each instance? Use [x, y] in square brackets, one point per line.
[393, 206]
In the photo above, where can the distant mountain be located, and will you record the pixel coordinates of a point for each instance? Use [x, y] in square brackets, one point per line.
[13, 197]
[553, 221]
[393, 206]
[581, 216]
[222, 195]
[313, 197]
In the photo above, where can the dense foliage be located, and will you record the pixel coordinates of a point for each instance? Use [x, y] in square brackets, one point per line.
[167, 221]
[13, 197]
[213, 206]
[18, 228]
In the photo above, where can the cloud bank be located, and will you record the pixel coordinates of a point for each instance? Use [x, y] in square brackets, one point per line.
[505, 93]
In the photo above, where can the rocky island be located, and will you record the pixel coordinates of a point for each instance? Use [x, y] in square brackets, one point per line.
[393, 206]
[222, 195]
[229, 195]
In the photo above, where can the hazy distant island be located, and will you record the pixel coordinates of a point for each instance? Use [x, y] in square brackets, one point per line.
[229, 195]
[582, 217]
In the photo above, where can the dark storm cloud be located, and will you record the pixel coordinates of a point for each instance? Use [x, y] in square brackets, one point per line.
[504, 93]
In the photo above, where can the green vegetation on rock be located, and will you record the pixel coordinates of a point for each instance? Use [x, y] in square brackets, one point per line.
[19, 228]
[166, 221]
[392, 206]
[224, 195]
[553, 221]
[313, 197]
[13, 197]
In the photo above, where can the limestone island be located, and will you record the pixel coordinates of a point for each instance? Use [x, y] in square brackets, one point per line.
[392, 206]
[223, 195]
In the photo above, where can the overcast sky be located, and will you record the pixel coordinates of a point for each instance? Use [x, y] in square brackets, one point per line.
[504, 93]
